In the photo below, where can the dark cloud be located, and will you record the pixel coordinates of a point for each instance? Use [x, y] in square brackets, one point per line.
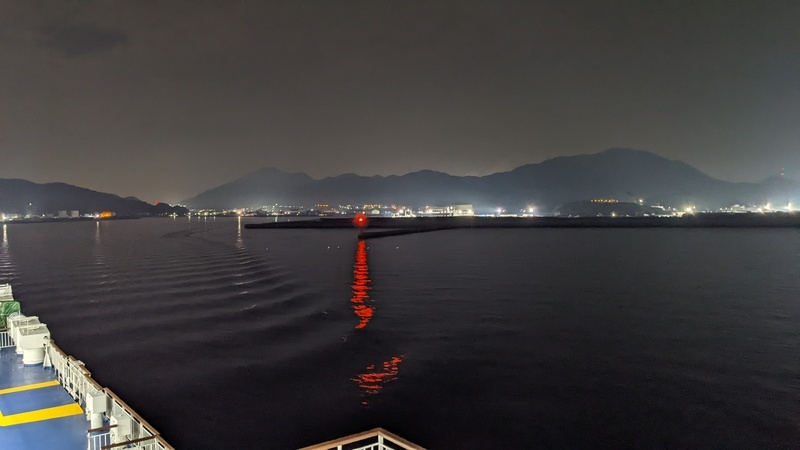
[76, 41]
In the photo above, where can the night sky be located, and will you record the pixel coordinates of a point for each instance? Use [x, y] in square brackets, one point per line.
[163, 99]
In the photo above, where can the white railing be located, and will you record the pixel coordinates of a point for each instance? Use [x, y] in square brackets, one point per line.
[98, 439]
[376, 446]
[5, 339]
[148, 443]
[102, 440]
[71, 373]
[374, 439]
[143, 435]
[77, 381]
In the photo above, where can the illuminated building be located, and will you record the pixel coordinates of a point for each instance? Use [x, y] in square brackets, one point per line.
[447, 211]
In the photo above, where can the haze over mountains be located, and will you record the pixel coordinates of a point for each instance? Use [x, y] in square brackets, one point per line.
[622, 174]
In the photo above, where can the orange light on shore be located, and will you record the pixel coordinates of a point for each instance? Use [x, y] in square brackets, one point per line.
[360, 220]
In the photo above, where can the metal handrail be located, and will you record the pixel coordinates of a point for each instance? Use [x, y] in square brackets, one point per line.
[5, 339]
[126, 443]
[78, 382]
[98, 429]
[98, 440]
[379, 433]
[132, 413]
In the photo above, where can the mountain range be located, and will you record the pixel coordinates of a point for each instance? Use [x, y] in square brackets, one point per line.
[26, 197]
[622, 174]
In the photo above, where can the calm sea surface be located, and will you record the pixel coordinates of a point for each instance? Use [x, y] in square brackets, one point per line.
[229, 338]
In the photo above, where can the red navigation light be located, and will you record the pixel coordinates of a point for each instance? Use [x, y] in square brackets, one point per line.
[360, 220]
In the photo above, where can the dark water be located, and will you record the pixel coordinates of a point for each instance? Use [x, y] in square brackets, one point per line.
[230, 338]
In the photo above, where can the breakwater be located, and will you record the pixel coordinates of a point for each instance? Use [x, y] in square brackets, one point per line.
[384, 226]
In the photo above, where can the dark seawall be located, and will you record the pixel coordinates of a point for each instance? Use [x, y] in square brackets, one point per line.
[398, 226]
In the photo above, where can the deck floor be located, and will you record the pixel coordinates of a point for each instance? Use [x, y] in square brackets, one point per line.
[35, 411]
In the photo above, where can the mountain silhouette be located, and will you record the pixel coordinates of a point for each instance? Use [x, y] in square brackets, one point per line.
[622, 174]
[263, 187]
[25, 197]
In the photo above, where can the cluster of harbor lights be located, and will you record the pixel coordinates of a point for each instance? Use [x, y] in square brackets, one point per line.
[113, 424]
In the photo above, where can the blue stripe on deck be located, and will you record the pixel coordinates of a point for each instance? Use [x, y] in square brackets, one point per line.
[67, 433]
[14, 373]
[41, 398]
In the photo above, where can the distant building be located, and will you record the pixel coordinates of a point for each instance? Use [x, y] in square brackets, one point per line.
[404, 212]
[62, 215]
[74, 214]
[447, 211]
[463, 210]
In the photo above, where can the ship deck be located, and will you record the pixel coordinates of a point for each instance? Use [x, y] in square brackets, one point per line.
[35, 411]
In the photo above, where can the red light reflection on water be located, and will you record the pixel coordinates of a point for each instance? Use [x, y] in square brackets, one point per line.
[372, 381]
[361, 286]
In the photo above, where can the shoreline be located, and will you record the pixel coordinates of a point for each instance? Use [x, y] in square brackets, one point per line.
[65, 220]
[382, 226]
[712, 220]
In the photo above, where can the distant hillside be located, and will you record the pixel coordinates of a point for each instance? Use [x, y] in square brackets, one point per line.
[622, 174]
[267, 186]
[25, 197]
